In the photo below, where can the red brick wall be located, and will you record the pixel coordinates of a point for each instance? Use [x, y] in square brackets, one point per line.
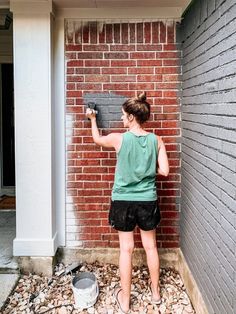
[123, 59]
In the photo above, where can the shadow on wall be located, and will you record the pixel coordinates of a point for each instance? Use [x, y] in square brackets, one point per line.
[108, 106]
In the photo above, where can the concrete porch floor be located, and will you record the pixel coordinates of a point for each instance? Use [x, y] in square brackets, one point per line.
[8, 263]
[9, 271]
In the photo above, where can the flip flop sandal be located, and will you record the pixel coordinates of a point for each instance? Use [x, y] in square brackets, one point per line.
[156, 302]
[116, 293]
[153, 300]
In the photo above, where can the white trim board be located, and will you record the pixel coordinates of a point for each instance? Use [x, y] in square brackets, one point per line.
[35, 247]
[127, 14]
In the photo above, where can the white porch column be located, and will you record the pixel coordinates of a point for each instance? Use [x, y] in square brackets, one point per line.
[36, 233]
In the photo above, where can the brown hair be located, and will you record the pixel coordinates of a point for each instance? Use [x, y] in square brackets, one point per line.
[138, 107]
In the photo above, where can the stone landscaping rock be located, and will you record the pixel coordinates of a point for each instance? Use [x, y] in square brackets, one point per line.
[41, 295]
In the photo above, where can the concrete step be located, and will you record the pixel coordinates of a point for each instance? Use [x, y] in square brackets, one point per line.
[9, 266]
[7, 284]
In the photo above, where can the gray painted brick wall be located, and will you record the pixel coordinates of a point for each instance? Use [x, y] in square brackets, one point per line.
[109, 107]
[208, 203]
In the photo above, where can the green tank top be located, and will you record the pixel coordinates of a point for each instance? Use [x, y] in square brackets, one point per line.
[136, 168]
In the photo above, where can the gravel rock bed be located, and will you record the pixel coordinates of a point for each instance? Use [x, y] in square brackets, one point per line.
[38, 294]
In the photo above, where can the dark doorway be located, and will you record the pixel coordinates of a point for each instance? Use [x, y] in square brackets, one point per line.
[7, 114]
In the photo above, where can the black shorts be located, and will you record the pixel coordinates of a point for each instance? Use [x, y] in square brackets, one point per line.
[125, 215]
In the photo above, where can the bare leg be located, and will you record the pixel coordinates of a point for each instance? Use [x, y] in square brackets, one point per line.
[150, 247]
[125, 265]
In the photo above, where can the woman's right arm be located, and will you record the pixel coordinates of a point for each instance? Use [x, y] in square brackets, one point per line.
[163, 163]
[111, 140]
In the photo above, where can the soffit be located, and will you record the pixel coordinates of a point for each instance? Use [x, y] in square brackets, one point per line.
[120, 3]
[160, 9]
[183, 4]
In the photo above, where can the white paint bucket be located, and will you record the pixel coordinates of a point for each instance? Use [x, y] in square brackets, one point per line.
[85, 289]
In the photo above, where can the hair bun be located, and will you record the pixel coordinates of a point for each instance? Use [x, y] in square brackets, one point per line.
[142, 96]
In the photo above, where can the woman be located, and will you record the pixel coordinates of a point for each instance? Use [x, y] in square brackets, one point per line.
[134, 197]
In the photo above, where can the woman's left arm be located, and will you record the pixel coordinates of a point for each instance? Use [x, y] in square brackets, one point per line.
[163, 163]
